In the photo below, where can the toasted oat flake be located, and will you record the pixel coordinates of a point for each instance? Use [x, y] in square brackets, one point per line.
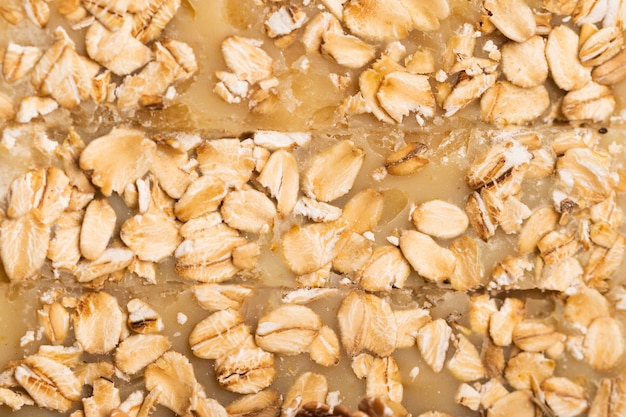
[385, 269]
[143, 269]
[440, 219]
[248, 211]
[229, 159]
[117, 159]
[204, 250]
[138, 351]
[562, 53]
[317, 210]
[11, 13]
[306, 295]
[208, 407]
[611, 72]
[408, 159]
[142, 318]
[33, 107]
[97, 228]
[281, 177]
[309, 248]
[469, 271]
[284, 21]
[601, 404]
[402, 93]
[275, 140]
[366, 322]
[266, 401]
[98, 322]
[603, 262]
[306, 388]
[524, 64]
[598, 353]
[332, 172]
[347, 50]
[499, 159]
[352, 251]
[409, 321]
[69, 356]
[601, 46]
[149, 88]
[289, 329]
[23, 246]
[585, 174]
[246, 371]
[363, 211]
[526, 369]
[466, 364]
[542, 221]
[38, 11]
[59, 375]
[203, 196]
[324, 348]
[585, 306]
[491, 391]
[215, 297]
[55, 320]
[427, 17]
[514, 18]
[541, 165]
[15, 400]
[383, 379]
[55, 198]
[508, 273]
[479, 218]
[503, 322]
[533, 335]
[112, 260]
[174, 375]
[246, 58]
[518, 402]
[361, 364]
[44, 392]
[218, 334]
[377, 20]
[563, 276]
[149, 22]
[130, 405]
[467, 90]
[169, 170]
[109, 13]
[593, 102]
[25, 193]
[366, 101]
[588, 12]
[433, 340]
[19, 61]
[557, 246]
[152, 236]
[430, 260]
[62, 73]
[230, 203]
[505, 103]
[467, 396]
[565, 397]
[117, 50]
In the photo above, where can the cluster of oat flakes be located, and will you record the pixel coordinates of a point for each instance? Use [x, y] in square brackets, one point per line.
[125, 61]
[211, 205]
[504, 61]
[214, 205]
